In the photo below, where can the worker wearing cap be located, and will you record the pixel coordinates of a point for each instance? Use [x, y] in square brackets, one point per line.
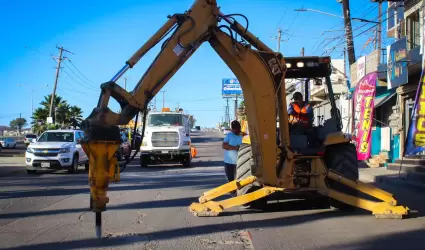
[300, 111]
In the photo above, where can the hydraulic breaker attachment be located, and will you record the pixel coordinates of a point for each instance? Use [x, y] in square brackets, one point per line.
[103, 167]
[387, 208]
[207, 207]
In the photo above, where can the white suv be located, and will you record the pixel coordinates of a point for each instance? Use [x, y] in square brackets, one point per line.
[56, 150]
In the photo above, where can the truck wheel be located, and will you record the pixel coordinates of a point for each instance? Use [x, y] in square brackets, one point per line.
[144, 161]
[342, 158]
[244, 169]
[187, 161]
[74, 167]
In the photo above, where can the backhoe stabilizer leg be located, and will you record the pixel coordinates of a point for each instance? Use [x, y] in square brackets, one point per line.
[214, 208]
[379, 209]
[363, 187]
[225, 188]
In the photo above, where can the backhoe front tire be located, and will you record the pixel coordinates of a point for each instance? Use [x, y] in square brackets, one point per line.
[342, 158]
[245, 168]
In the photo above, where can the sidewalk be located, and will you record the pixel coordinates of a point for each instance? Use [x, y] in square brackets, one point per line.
[390, 177]
[11, 166]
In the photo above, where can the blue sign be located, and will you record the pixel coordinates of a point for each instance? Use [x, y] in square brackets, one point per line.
[230, 86]
[397, 63]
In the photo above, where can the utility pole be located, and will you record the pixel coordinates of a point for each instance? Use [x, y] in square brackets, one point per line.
[348, 31]
[278, 38]
[60, 59]
[302, 51]
[345, 63]
[379, 27]
[236, 108]
[163, 98]
[227, 113]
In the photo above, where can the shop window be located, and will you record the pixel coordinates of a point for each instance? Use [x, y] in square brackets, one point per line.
[413, 30]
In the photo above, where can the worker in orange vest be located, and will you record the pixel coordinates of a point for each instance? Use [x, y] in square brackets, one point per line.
[300, 111]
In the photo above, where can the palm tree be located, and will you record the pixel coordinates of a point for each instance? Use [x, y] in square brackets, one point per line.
[76, 116]
[46, 103]
[62, 114]
[66, 115]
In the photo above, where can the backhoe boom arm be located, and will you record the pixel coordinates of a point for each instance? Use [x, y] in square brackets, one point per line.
[260, 72]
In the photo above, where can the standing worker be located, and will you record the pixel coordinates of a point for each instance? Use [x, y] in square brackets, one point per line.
[231, 144]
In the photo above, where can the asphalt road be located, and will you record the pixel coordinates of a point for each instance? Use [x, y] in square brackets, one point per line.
[148, 209]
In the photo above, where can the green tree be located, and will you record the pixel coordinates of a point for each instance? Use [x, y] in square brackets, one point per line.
[18, 123]
[241, 110]
[192, 121]
[63, 115]
[76, 116]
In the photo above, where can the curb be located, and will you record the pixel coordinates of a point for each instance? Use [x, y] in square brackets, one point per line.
[12, 155]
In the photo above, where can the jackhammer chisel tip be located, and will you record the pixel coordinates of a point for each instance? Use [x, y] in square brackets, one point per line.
[98, 225]
[98, 232]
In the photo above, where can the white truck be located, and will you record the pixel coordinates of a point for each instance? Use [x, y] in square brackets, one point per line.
[166, 138]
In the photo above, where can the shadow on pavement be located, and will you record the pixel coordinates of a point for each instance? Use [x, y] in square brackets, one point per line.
[374, 243]
[204, 182]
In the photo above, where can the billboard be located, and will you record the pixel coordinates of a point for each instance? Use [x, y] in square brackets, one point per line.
[397, 63]
[230, 87]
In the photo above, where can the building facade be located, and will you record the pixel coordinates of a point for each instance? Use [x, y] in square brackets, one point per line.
[399, 68]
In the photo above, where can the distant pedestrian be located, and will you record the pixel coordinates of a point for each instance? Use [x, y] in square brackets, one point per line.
[231, 144]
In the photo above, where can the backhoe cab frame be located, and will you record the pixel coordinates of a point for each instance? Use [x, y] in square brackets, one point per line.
[260, 71]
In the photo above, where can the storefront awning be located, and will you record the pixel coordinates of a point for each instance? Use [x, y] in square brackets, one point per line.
[381, 99]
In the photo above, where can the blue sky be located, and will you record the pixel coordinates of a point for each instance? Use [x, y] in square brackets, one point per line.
[104, 34]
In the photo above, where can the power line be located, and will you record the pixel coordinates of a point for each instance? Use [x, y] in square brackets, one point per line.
[84, 81]
[79, 71]
[81, 84]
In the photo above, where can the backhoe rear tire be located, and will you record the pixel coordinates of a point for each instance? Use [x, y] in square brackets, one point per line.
[342, 158]
[245, 168]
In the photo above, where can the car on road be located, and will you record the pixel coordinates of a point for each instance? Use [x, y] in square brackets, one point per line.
[8, 143]
[56, 150]
[226, 131]
[124, 150]
[30, 138]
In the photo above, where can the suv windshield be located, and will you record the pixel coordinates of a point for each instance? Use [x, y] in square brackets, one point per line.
[57, 137]
[165, 120]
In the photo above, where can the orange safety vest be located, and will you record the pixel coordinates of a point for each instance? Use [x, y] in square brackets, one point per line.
[300, 114]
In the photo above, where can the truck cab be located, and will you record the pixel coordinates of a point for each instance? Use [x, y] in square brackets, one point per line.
[166, 138]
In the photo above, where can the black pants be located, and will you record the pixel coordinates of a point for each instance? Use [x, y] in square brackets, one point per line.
[230, 170]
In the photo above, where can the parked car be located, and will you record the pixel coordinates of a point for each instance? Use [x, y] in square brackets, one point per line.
[8, 143]
[124, 151]
[56, 150]
[30, 138]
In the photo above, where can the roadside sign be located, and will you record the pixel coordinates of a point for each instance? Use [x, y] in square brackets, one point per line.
[231, 87]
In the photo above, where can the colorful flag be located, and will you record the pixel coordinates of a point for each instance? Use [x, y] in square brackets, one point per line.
[363, 104]
[415, 142]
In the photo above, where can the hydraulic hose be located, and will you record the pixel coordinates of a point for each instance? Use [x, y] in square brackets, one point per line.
[133, 141]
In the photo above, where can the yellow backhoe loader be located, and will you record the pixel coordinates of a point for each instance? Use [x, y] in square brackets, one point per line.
[327, 169]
